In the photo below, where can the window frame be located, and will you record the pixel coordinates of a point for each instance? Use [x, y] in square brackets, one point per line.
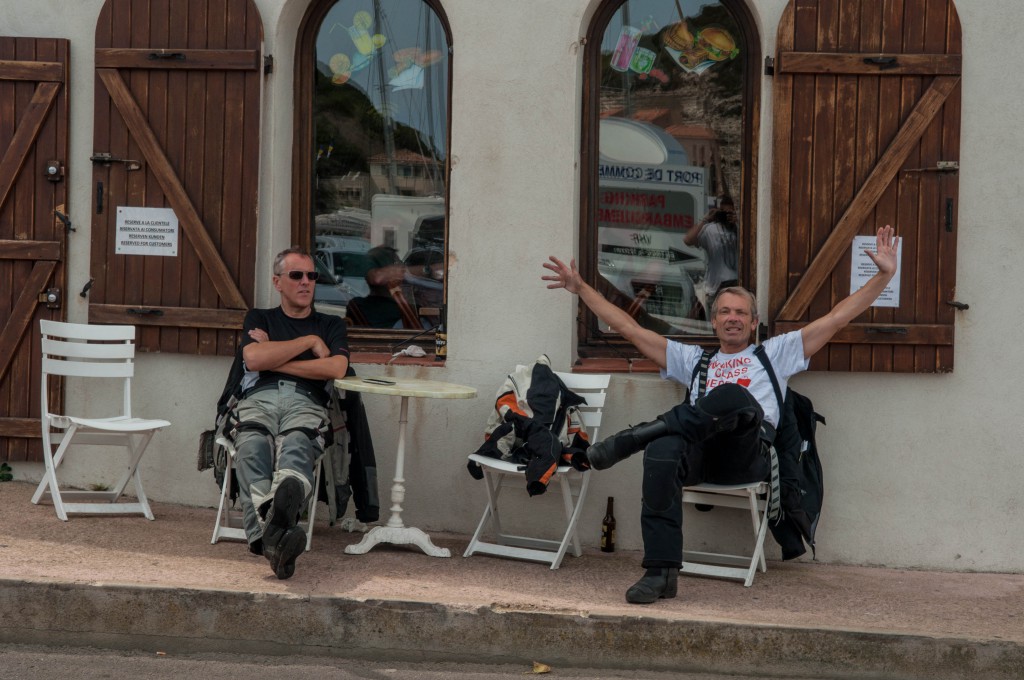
[360, 339]
[592, 344]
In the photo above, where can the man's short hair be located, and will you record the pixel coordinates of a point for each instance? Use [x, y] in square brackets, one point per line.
[726, 199]
[735, 290]
[279, 259]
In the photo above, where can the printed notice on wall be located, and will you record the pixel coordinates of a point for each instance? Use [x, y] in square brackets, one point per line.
[862, 269]
[146, 231]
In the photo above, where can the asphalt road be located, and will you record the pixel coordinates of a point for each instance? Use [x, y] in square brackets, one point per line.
[31, 662]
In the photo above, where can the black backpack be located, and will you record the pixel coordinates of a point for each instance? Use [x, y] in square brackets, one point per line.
[801, 483]
[801, 487]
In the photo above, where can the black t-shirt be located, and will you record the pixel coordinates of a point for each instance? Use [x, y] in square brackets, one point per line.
[279, 326]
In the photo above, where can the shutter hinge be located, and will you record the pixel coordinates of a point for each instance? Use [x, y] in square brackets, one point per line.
[769, 66]
[268, 64]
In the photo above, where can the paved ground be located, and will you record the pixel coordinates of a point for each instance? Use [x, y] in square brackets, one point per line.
[124, 581]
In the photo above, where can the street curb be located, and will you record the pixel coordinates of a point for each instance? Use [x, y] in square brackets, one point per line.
[176, 620]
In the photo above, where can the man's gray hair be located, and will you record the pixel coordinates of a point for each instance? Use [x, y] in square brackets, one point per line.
[279, 259]
[735, 290]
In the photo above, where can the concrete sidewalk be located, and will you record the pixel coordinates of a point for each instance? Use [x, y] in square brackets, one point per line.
[130, 583]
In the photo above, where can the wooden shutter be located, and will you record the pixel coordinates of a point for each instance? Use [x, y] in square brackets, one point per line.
[33, 138]
[867, 133]
[177, 125]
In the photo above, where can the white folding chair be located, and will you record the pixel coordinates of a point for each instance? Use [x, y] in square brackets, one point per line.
[228, 524]
[752, 497]
[87, 351]
[573, 484]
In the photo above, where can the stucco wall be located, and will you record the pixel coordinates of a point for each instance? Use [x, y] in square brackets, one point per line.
[921, 471]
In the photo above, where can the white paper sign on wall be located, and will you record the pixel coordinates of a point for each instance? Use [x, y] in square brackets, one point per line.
[862, 269]
[146, 231]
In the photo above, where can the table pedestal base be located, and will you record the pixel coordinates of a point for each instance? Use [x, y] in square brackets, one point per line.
[397, 536]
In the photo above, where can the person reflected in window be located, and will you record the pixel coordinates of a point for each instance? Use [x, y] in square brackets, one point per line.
[717, 235]
[296, 352]
[379, 309]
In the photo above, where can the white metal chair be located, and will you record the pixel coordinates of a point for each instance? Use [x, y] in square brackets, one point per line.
[88, 351]
[573, 484]
[228, 524]
[752, 497]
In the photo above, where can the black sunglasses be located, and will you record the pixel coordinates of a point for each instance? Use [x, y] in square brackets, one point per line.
[296, 275]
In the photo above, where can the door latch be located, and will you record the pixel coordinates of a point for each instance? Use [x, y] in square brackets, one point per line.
[108, 159]
[51, 297]
[950, 167]
[54, 171]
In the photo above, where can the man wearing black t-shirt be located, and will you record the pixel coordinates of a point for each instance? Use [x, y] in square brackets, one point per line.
[296, 351]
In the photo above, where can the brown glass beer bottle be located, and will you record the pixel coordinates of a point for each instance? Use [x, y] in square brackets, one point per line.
[608, 528]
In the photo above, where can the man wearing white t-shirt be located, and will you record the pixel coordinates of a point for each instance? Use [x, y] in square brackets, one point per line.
[717, 437]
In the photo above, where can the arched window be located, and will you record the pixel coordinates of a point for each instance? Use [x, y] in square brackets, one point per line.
[370, 170]
[669, 149]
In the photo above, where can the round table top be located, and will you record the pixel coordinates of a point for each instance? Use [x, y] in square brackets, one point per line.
[406, 387]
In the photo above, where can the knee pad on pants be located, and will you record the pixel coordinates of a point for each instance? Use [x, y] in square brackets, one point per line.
[253, 441]
[312, 434]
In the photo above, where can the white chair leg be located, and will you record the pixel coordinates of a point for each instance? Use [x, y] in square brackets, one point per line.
[740, 567]
[485, 519]
[491, 519]
[757, 521]
[222, 510]
[311, 512]
[761, 530]
[137, 448]
[572, 515]
[48, 486]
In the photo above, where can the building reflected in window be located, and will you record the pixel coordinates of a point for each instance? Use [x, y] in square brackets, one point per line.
[380, 121]
[670, 145]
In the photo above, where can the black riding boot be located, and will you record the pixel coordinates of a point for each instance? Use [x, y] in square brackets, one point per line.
[622, 445]
[657, 583]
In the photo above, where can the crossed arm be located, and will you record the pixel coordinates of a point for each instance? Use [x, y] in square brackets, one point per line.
[279, 355]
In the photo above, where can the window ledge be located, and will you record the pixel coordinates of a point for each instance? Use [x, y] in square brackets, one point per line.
[617, 365]
[385, 358]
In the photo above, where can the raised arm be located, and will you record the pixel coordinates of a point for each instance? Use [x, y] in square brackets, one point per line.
[816, 334]
[649, 343]
[693, 233]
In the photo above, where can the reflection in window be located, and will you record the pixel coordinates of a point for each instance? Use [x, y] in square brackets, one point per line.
[670, 144]
[380, 136]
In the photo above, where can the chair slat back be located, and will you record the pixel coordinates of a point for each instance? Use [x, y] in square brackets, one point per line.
[83, 350]
[88, 351]
[87, 369]
[592, 387]
[84, 331]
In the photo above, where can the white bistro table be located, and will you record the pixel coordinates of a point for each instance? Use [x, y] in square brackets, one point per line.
[395, 531]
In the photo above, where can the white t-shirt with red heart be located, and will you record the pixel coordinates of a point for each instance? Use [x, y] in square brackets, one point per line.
[786, 353]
